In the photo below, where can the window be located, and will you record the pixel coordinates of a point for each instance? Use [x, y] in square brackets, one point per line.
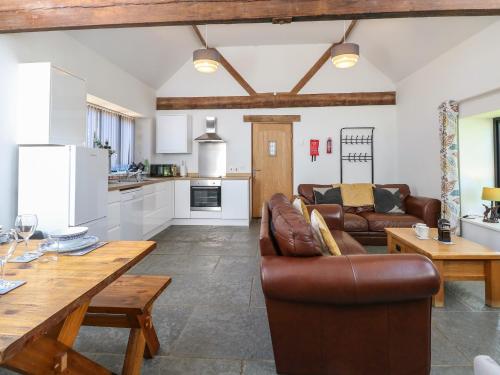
[496, 137]
[114, 128]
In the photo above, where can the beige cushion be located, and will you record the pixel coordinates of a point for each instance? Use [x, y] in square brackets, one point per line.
[324, 235]
[357, 195]
[301, 207]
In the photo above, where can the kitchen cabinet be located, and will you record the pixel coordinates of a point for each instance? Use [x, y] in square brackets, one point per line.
[235, 199]
[182, 199]
[113, 217]
[158, 207]
[52, 106]
[174, 134]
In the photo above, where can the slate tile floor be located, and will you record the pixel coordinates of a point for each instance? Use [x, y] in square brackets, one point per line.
[212, 318]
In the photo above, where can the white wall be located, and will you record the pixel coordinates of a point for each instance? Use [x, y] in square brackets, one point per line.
[104, 80]
[277, 69]
[467, 70]
[476, 162]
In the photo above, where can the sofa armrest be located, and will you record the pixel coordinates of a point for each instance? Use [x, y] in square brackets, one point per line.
[349, 280]
[332, 213]
[427, 209]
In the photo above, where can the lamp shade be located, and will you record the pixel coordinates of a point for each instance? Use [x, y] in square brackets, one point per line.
[345, 55]
[491, 194]
[206, 60]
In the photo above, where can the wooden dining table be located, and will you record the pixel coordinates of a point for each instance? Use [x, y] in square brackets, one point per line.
[40, 320]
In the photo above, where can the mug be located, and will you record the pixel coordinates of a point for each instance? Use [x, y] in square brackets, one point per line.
[421, 230]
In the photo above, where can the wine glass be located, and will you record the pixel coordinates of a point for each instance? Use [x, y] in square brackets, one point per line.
[49, 247]
[8, 244]
[25, 227]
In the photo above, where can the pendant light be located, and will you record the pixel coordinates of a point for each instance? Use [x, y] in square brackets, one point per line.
[206, 60]
[345, 55]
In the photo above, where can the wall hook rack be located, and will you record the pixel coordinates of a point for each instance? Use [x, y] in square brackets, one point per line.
[356, 136]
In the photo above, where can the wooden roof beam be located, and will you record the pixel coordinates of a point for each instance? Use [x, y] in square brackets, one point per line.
[280, 100]
[229, 68]
[321, 61]
[30, 15]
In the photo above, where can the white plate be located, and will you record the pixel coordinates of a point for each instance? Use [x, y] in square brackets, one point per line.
[66, 246]
[70, 233]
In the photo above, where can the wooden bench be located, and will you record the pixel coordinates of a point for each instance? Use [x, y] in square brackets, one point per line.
[127, 303]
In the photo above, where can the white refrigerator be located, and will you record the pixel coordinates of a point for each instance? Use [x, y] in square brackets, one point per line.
[64, 186]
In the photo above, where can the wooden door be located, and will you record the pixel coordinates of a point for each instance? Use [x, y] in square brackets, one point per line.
[271, 173]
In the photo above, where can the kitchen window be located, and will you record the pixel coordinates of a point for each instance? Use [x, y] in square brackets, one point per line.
[115, 128]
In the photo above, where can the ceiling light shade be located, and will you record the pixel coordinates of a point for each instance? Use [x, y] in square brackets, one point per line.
[345, 55]
[206, 60]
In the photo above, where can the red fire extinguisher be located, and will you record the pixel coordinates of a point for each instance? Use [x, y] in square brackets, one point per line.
[329, 145]
[314, 148]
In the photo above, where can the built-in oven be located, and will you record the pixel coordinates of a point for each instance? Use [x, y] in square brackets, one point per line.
[206, 195]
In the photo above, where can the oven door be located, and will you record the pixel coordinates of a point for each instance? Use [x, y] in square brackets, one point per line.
[205, 198]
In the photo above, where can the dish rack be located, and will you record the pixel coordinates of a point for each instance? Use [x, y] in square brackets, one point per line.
[356, 136]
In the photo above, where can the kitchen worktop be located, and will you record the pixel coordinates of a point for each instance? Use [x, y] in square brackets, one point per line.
[156, 180]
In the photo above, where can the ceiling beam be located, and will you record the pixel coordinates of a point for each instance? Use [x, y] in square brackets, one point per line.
[321, 61]
[229, 68]
[282, 119]
[280, 100]
[24, 15]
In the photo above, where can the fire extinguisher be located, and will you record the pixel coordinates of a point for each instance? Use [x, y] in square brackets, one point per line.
[314, 148]
[329, 145]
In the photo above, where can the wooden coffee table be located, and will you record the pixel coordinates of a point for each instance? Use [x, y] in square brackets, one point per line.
[464, 260]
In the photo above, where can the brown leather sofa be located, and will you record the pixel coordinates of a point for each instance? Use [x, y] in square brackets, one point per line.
[354, 314]
[367, 226]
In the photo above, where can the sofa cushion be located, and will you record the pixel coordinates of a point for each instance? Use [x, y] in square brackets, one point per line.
[355, 223]
[324, 235]
[301, 207]
[278, 200]
[306, 190]
[347, 244]
[328, 195]
[377, 222]
[403, 189]
[388, 200]
[292, 233]
[357, 195]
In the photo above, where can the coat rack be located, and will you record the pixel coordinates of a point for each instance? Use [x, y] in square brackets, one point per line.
[350, 137]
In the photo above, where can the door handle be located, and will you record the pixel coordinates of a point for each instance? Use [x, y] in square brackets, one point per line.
[254, 171]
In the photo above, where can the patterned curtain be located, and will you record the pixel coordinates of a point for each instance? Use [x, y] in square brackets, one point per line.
[450, 182]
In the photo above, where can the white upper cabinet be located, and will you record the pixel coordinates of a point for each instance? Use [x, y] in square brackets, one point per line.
[174, 134]
[52, 106]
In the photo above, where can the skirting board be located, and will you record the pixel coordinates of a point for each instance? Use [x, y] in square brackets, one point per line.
[155, 231]
[216, 222]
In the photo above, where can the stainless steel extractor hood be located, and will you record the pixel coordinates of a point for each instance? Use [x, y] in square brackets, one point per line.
[211, 131]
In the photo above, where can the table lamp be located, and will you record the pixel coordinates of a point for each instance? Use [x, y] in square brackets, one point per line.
[491, 213]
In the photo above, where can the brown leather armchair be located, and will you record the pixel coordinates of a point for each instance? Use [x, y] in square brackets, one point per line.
[350, 314]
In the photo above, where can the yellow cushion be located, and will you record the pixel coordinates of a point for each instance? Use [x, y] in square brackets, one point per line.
[301, 207]
[357, 195]
[319, 226]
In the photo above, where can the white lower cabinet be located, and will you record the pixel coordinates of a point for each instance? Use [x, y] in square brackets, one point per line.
[235, 200]
[113, 217]
[158, 207]
[182, 199]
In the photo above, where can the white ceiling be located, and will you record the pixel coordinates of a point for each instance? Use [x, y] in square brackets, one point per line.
[397, 47]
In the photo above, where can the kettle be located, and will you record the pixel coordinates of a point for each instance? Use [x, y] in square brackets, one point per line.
[444, 230]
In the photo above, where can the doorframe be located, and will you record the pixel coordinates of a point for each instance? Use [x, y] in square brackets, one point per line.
[288, 120]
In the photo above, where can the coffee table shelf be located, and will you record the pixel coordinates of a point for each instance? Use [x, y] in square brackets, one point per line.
[462, 260]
